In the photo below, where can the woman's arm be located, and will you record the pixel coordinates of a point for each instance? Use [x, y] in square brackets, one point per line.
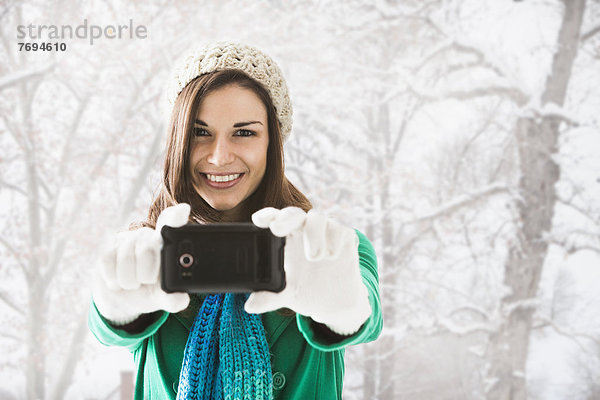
[319, 336]
[131, 335]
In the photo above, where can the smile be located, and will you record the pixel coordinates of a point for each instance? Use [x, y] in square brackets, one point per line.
[221, 181]
[222, 178]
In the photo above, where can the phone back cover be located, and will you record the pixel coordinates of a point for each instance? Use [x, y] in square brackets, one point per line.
[227, 257]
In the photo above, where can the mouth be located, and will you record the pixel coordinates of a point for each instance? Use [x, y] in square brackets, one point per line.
[221, 181]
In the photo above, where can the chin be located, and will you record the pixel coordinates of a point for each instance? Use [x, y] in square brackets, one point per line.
[223, 207]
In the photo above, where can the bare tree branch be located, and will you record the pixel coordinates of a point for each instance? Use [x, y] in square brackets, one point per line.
[456, 329]
[81, 201]
[575, 336]
[581, 210]
[473, 309]
[512, 93]
[64, 160]
[15, 255]
[14, 132]
[13, 187]
[409, 112]
[460, 202]
[10, 303]
[142, 174]
[480, 59]
[13, 79]
[588, 35]
[571, 248]
[69, 87]
[11, 336]
[66, 150]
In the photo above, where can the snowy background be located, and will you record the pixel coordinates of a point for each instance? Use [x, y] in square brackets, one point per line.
[462, 136]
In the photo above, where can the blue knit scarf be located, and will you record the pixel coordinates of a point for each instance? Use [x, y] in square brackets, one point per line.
[226, 355]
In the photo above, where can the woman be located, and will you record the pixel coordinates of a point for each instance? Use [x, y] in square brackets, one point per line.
[230, 116]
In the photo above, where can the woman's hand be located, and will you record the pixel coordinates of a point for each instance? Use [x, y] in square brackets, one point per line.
[127, 281]
[321, 264]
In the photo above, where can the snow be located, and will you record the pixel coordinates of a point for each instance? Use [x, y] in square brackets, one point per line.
[452, 178]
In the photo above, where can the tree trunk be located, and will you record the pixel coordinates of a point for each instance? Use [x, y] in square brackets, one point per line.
[74, 352]
[537, 143]
[386, 343]
[35, 362]
[369, 388]
[35, 365]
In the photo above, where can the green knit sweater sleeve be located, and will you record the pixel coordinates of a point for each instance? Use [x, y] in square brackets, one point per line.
[110, 335]
[372, 327]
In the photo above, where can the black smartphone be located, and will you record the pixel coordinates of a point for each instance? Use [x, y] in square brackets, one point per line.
[221, 258]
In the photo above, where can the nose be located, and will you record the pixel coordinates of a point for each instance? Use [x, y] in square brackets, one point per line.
[220, 152]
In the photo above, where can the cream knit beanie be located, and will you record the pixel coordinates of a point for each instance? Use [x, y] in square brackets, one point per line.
[229, 55]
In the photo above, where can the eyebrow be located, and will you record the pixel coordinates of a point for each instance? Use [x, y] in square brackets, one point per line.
[236, 125]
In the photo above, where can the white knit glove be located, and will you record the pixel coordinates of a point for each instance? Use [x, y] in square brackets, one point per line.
[322, 271]
[127, 280]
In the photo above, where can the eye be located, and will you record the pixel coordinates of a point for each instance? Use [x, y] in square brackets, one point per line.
[199, 132]
[245, 133]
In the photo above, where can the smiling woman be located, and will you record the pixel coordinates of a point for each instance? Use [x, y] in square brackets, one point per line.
[224, 162]
[225, 123]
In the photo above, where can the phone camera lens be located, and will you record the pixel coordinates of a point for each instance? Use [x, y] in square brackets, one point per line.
[186, 260]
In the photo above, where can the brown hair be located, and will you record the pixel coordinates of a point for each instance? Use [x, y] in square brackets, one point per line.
[275, 190]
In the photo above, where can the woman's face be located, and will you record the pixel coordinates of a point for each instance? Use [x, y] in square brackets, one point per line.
[228, 149]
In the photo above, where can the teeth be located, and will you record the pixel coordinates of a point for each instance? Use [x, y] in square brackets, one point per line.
[222, 178]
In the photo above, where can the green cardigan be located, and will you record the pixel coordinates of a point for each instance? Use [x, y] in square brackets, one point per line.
[306, 363]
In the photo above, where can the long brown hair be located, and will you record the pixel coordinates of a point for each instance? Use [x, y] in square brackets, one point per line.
[275, 190]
